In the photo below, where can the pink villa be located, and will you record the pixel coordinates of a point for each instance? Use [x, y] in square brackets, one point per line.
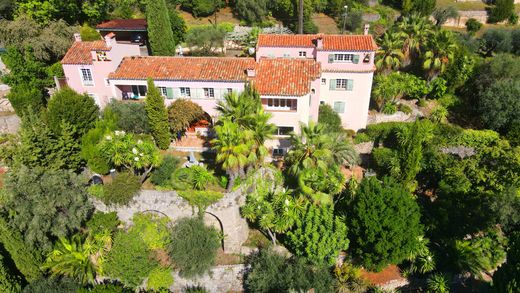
[294, 74]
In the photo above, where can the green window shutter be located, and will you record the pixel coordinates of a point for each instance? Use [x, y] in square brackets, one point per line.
[355, 59]
[332, 84]
[350, 84]
[339, 107]
[169, 93]
[331, 58]
[176, 93]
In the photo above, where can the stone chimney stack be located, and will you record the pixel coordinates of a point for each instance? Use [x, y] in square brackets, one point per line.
[77, 37]
[366, 29]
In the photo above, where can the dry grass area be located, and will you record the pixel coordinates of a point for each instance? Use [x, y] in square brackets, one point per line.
[227, 259]
[257, 239]
[325, 23]
[223, 15]
[469, 5]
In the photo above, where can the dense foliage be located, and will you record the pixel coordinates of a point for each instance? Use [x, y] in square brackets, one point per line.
[157, 116]
[160, 32]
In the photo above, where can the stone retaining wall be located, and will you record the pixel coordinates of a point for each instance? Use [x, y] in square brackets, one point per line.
[219, 279]
[227, 210]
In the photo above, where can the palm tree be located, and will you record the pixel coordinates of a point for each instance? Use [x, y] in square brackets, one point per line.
[441, 48]
[232, 145]
[389, 55]
[343, 151]
[310, 149]
[414, 31]
[261, 130]
[79, 258]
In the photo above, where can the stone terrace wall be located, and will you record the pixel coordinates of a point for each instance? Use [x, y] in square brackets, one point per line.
[227, 210]
[219, 279]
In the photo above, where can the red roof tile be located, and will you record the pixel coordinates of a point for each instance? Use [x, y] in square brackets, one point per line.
[330, 42]
[123, 24]
[79, 52]
[184, 68]
[285, 77]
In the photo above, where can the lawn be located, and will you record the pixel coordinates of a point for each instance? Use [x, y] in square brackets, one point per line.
[469, 5]
[325, 23]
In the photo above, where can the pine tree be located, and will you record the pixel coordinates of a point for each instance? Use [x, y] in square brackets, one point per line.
[160, 31]
[157, 116]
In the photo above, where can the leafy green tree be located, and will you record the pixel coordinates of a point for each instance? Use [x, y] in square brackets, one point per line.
[23, 98]
[473, 26]
[318, 235]
[46, 204]
[507, 277]
[157, 116]
[480, 253]
[497, 105]
[442, 15]
[251, 11]
[50, 285]
[496, 41]
[27, 261]
[178, 25]
[201, 8]
[328, 117]
[421, 7]
[78, 258]
[271, 272]
[122, 189]
[160, 32]
[131, 117]
[384, 223]
[48, 43]
[204, 39]
[24, 69]
[182, 113]
[502, 10]
[193, 247]
[9, 281]
[96, 161]
[130, 260]
[124, 150]
[79, 111]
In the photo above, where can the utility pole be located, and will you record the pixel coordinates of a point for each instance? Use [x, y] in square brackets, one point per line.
[343, 29]
[300, 17]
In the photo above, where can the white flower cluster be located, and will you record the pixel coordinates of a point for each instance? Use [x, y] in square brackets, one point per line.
[120, 133]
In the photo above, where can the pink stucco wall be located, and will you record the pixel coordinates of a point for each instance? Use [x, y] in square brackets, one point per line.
[323, 57]
[278, 52]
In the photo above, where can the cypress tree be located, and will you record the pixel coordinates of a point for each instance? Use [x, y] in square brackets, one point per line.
[160, 32]
[157, 116]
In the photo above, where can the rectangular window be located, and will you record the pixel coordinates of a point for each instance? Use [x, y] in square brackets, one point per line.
[285, 55]
[284, 130]
[341, 84]
[281, 104]
[343, 57]
[139, 91]
[230, 91]
[86, 77]
[339, 107]
[302, 54]
[209, 92]
[323, 81]
[278, 152]
[163, 91]
[185, 92]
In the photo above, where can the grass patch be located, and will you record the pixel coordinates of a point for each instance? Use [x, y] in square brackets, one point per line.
[470, 5]
[257, 239]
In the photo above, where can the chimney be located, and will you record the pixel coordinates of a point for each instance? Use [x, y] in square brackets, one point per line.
[366, 29]
[251, 72]
[110, 39]
[77, 37]
[319, 42]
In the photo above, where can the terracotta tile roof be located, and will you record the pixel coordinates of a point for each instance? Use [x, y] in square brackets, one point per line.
[285, 77]
[79, 52]
[184, 68]
[123, 24]
[330, 42]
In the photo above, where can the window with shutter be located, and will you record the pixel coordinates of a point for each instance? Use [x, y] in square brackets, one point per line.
[339, 107]
[355, 59]
[331, 58]
[169, 93]
[332, 84]
[350, 84]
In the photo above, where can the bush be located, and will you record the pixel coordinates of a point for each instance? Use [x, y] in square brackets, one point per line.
[389, 108]
[96, 191]
[56, 69]
[502, 11]
[270, 272]
[361, 138]
[201, 199]
[513, 19]
[251, 11]
[152, 229]
[131, 117]
[122, 189]
[130, 260]
[23, 98]
[439, 114]
[473, 25]
[200, 8]
[161, 176]
[405, 108]
[476, 138]
[9, 281]
[103, 221]
[481, 253]
[183, 112]
[89, 33]
[196, 289]
[159, 278]
[52, 285]
[329, 118]
[193, 247]
[107, 288]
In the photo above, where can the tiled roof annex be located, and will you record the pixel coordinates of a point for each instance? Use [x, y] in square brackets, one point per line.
[285, 77]
[184, 68]
[330, 42]
[123, 24]
[79, 52]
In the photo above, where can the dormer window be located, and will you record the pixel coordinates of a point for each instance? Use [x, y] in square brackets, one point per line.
[302, 54]
[102, 56]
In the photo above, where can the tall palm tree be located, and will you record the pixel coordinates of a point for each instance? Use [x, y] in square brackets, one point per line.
[343, 152]
[310, 149]
[389, 55]
[441, 48]
[79, 258]
[414, 30]
[232, 145]
[261, 130]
